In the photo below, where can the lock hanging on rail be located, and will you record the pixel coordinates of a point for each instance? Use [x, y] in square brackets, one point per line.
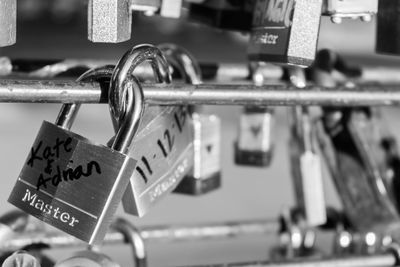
[163, 143]
[285, 32]
[254, 146]
[73, 184]
[305, 162]
[205, 176]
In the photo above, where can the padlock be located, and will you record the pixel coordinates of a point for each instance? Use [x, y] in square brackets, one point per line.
[164, 142]
[285, 31]
[21, 259]
[88, 258]
[205, 176]
[347, 142]
[8, 22]
[305, 162]
[73, 184]
[109, 21]
[353, 9]
[254, 145]
[134, 239]
[224, 14]
[388, 21]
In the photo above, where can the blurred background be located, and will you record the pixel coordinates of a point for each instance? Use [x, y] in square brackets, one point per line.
[58, 30]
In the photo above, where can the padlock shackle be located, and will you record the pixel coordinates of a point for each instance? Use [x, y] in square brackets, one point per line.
[184, 62]
[125, 68]
[68, 112]
[133, 237]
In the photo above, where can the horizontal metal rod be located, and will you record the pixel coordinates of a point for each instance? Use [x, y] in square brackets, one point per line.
[40, 68]
[168, 233]
[384, 260]
[21, 91]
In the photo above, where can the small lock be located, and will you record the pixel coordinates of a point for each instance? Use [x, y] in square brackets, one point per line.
[224, 14]
[285, 32]
[164, 140]
[388, 21]
[109, 21]
[305, 162]
[353, 9]
[254, 144]
[205, 174]
[73, 184]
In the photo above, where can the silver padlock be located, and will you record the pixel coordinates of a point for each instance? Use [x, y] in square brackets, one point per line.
[164, 142]
[285, 31]
[353, 9]
[88, 258]
[59, 183]
[109, 21]
[254, 145]
[305, 162]
[8, 22]
[205, 175]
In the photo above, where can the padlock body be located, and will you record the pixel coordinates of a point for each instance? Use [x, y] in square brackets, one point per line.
[164, 149]
[72, 184]
[388, 29]
[285, 32]
[224, 14]
[205, 175]
[254, 144]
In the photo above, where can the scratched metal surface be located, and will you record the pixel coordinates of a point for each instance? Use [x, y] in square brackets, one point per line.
[246, 192]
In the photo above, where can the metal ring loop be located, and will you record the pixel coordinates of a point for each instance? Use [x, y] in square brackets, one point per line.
[133, 237]
[125, 68]
[68, 112]
[183, 61]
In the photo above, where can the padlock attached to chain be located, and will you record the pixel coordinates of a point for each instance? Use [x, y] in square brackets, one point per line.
[285, 32]
[163, 143]
[73, 184]
[352, 9]
[254, 145]
[205, 176]
[224, 14]
[306, 165]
